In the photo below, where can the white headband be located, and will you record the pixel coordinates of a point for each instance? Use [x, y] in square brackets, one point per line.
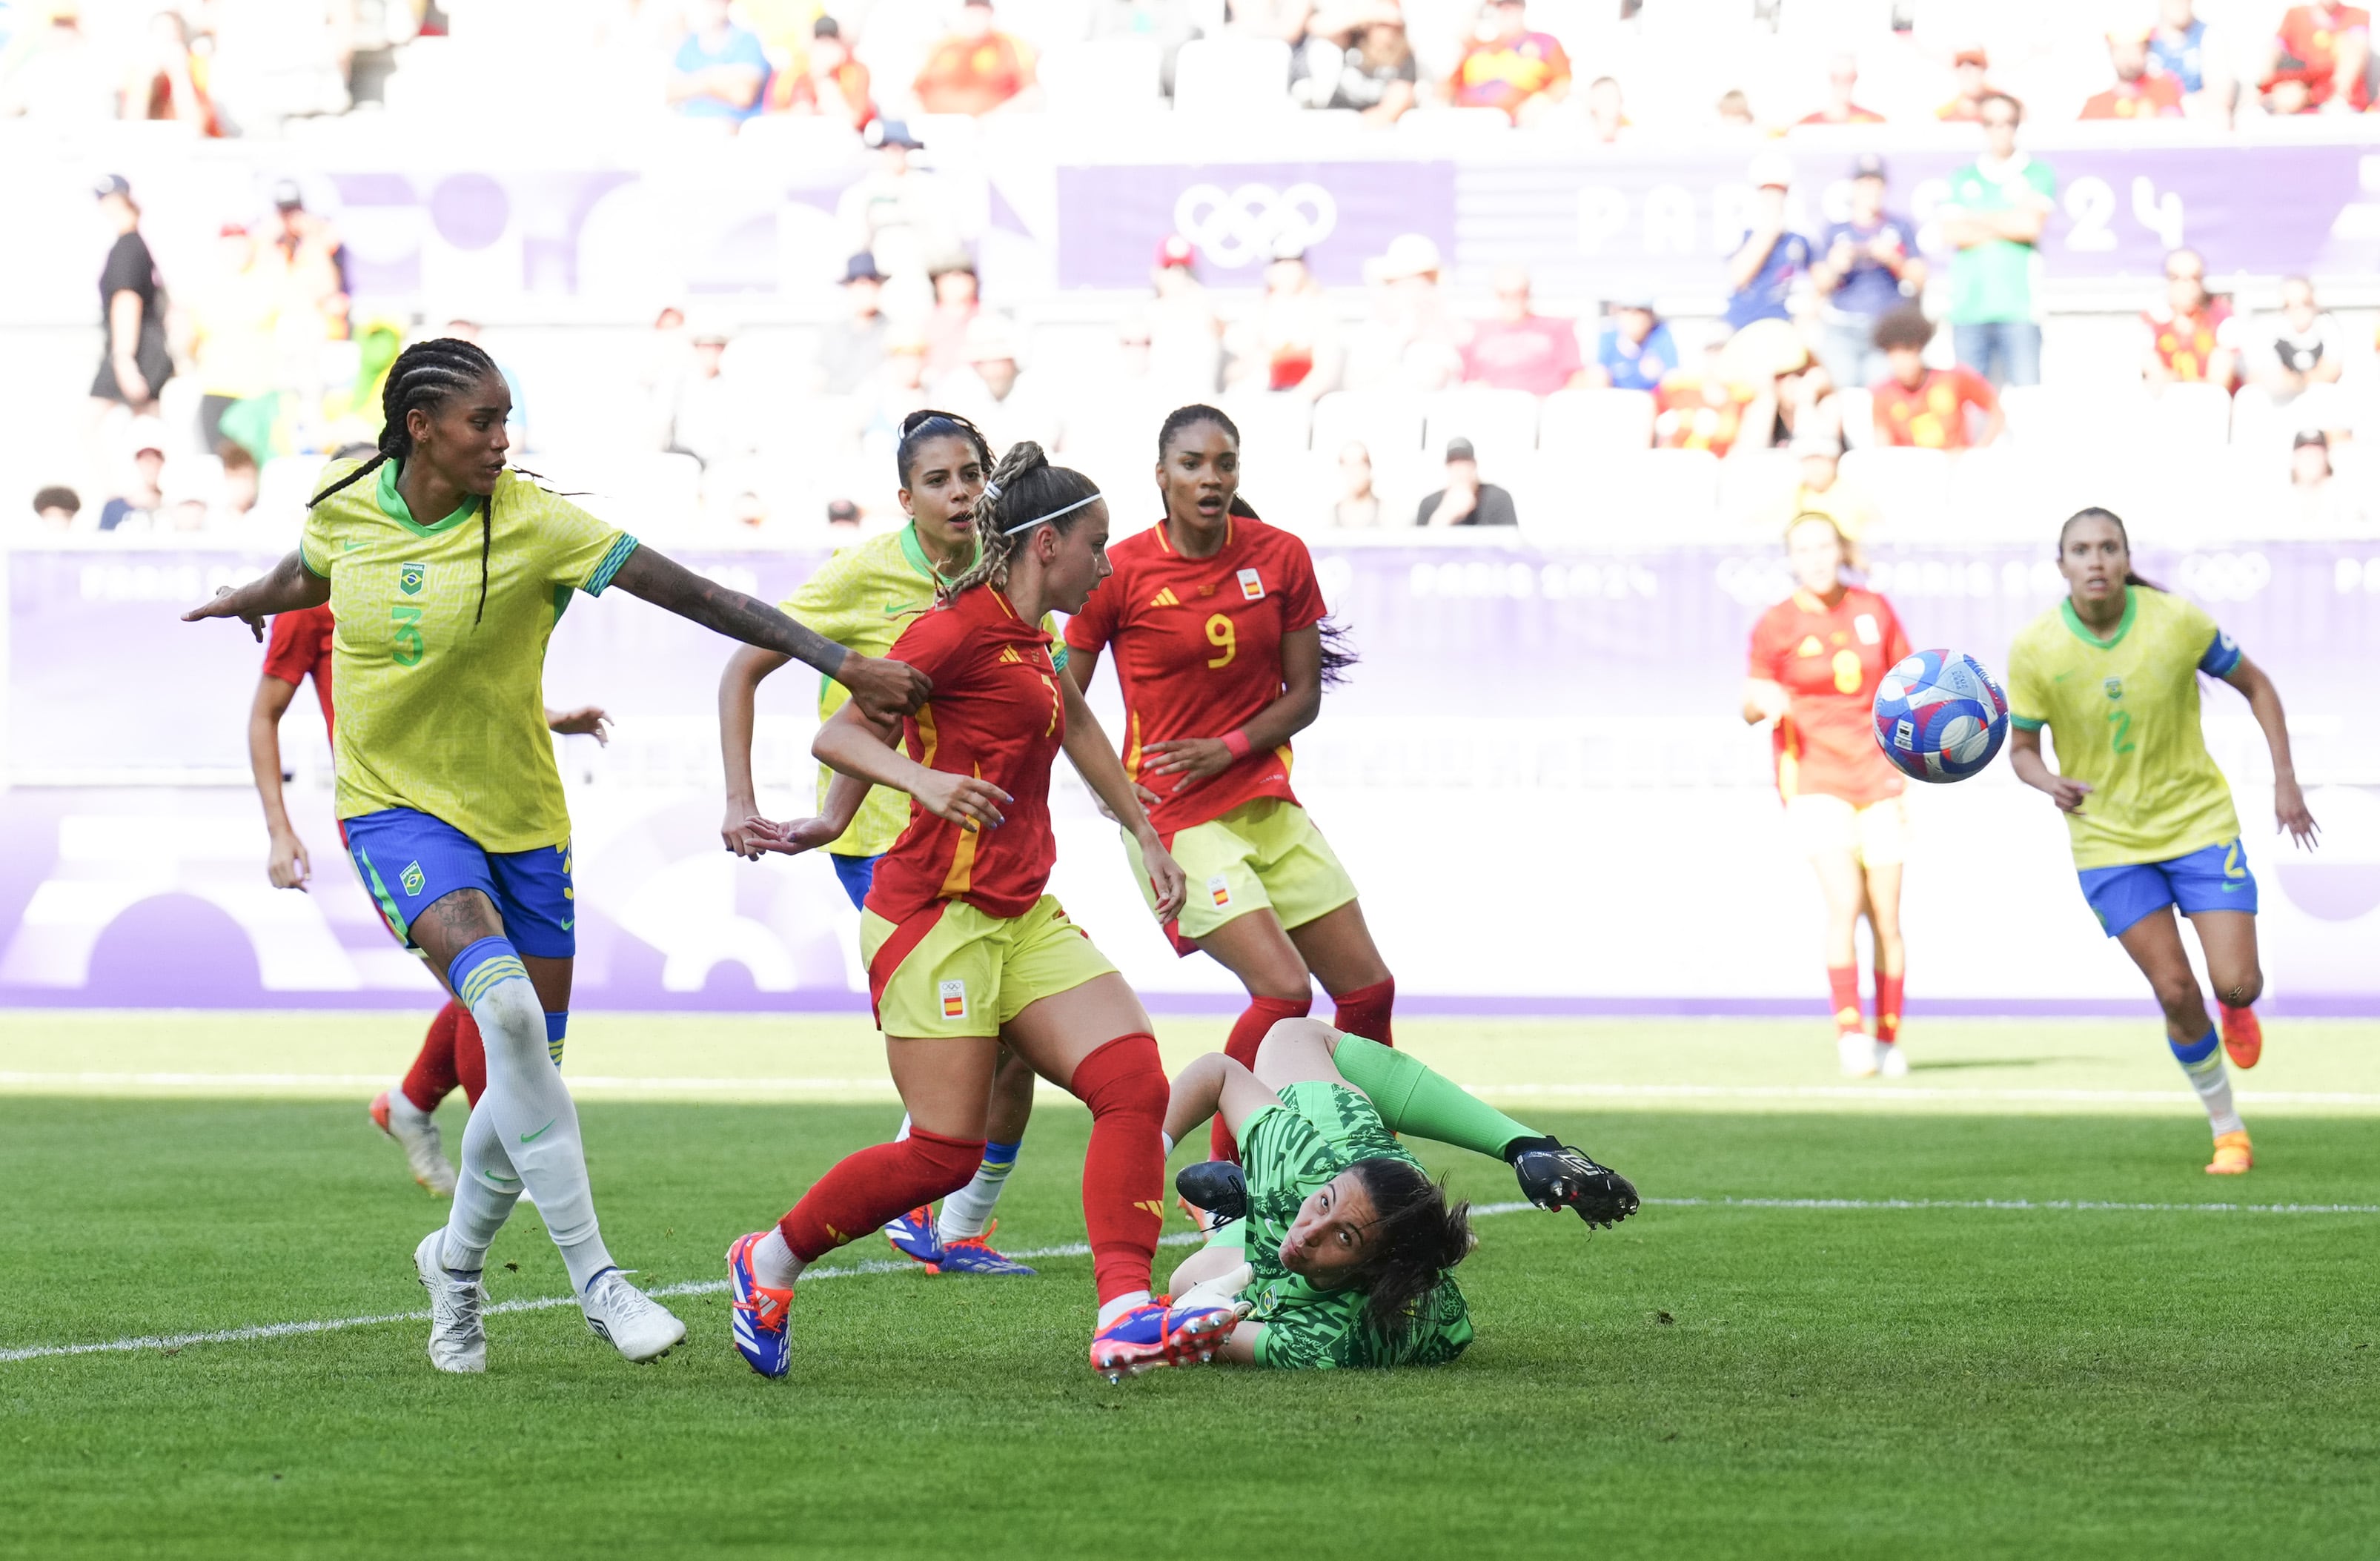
[1044, 520]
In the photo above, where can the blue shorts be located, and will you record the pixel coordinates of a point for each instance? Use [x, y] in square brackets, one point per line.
[409, 861]
[2214, 880]
[856, 873]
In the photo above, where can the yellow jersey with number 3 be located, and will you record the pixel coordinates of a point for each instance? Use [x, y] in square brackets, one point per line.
[441, 704]
[2123, 714]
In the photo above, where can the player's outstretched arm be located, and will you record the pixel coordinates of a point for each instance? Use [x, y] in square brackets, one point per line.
[2265, 701]
[843, 795]
[588, 720]
[2025, 758]
[738, 682]
[290, 587]
[1211, 1084]
[287, 866]
[885, 689]
[1096, 762]
[1186, 761]
[854, 745]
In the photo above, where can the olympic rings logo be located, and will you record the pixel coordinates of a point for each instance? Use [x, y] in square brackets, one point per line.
[2225, 576]
[1241, 225]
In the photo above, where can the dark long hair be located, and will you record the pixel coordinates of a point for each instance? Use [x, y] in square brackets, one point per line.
[423, 377]
[1337, 649]
[1023, 487]
[928, 423]
[2112, 519]
[1415, 1237]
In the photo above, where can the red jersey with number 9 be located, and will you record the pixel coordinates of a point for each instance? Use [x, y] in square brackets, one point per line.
[997, 714]
[1830, 661]
[1198, 650]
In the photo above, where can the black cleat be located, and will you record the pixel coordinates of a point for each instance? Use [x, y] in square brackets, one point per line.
[1217, 1186]
[1555, 1176]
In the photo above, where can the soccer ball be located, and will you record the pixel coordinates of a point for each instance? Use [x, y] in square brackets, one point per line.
[1939, 716]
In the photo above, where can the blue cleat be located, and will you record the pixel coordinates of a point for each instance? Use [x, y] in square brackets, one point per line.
[914, 1237]
[973, 1254]
[763, 1318]
[1150, 1337]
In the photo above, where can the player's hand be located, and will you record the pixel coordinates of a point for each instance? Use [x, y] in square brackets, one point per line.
[1146, 798]
[1165, 877]
[963, 799]
[1186, 761]
[288, 866]
[588, 722]
[884, 690]
[735, 829]
[2289, 810]
[790, 839]
[2068, 795]
[219, 608]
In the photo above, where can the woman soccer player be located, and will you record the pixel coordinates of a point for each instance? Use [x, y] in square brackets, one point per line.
[1337, 1245]
[300, 648]
[863, 599]
[965, 951]
[447, 787]
[1816, 659]
[2112, 671]
[1217, 623]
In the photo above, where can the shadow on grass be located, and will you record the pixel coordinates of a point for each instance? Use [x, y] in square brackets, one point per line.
[1982, 1062]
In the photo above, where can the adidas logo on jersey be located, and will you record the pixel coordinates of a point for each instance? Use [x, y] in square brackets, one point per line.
[1008, 653]
[1165, 597]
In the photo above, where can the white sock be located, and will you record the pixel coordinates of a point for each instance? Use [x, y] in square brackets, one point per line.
[2214, 1087]
[1168, 1139]
[773, 1263]
[968, 1210]
[402, 1108]
[535, 1127]
[904, 1133]
[1121, 1305]
[484, 1195]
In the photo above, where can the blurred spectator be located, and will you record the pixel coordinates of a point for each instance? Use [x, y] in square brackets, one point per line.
[1607, 111]
[1634, 350]
[166, 82]
[748, 512]
[313, 269]
[2140, 92]
[1928, 408]
[2186, 49]
[1700, 411]
[240, 483]
[720, 69]
[136, 508]
[1994, 217]
[1358, 507]
[1508, 67]
[668, 360]
[1287, 22]
[1842, 81]
[2310, 460]
[1375, 73]
[850, 348]
[703, 421]
[895, 390]
[1171, 22]
[1735, 111]
[1185, 339]
[59, 78]
[134, 363]
[957, 298]
[2326, 507]
[1519, 348]
[1769, 358]
[2191, 336]
[276, 60]
[1412, 340]
[231, 317]
[1002, 398]
[1865, 267]
[1969, 69]
[841, 516]
[1769, 260]
[2300, 351]
[1819, 489]
[1134, 359]
[899, 212]
[2317, 49]
[1291, 342]
[824, 78]
[977, 68]
[55, 508]
[1465, 500]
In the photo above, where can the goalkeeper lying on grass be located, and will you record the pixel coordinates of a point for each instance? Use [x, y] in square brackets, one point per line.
[1332, 1235]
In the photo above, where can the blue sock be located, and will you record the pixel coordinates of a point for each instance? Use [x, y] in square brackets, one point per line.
[481, 965]
[2202, 1064]
[2191, 1054]
[556, 1025]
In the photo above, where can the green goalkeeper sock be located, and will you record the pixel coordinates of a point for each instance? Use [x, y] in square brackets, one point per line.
[1412, 1097]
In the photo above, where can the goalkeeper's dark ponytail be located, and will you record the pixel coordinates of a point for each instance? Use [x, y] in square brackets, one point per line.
[1415, 1236]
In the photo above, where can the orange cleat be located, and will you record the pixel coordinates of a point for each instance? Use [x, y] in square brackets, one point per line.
[2243, 1037]
[2232, 1154]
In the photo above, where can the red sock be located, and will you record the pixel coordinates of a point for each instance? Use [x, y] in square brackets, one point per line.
[1247, 1033]
[865, 1190]
[1888, 1008]
[431, 1078]
[1365, 1011]
[1842, 983]
[1123, 1172]
[470, 1057]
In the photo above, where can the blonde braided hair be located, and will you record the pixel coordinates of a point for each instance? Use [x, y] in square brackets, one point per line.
[1025, 489]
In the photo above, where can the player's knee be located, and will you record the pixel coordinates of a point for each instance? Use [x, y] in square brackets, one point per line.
[1123, 1076]
[2239, 988]
[2179, 997]
[1294, 1037]
[949, 1162]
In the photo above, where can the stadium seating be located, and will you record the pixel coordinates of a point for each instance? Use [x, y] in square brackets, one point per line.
[1102, 75]
[1596, 420]
[1389, 423]
[1500, 424]
[1232, 76]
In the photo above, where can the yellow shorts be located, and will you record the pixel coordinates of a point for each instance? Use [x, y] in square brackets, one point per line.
[1876, 835]
[1261, 853]
[955, 971]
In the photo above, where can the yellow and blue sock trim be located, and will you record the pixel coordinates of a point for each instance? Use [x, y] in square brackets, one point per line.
[556, 1025]
[2191, 1054]
[479, 968]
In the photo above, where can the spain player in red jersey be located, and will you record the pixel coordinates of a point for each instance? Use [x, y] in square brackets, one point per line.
[451, 1056]
[1221, 646]
[966, 949]
[1816, 659]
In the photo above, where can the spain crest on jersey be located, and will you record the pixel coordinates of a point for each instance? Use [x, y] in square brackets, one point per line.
[409, 577]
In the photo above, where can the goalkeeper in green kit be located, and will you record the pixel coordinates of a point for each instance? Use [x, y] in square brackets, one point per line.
[1334, 1242]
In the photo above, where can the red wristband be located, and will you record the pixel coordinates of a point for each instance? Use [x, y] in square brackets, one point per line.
[1236, 744]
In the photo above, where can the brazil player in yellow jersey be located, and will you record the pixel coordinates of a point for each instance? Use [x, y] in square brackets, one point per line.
[447, 786]
[863, 597]
[2112, 673]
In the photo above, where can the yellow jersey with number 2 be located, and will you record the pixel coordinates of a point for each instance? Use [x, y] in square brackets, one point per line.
[2123, 714]
[441, 704]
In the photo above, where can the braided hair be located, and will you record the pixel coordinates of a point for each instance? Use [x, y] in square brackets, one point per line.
[2112, 519]
[1023, 487]
[1413, 1238]
[928, 423]
[423, 377]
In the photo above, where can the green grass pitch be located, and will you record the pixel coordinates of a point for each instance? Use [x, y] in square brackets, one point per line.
[1899, 1375]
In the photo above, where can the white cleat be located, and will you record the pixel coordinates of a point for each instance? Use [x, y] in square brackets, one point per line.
[638, 1327]
[1858, 1054]
[1892, 1062]
[425, 1153]
[458, 1343]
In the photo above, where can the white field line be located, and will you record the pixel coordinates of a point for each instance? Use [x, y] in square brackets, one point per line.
[1183, 1239]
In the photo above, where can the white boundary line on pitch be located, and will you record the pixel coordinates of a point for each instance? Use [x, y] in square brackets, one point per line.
[1183, 1239]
